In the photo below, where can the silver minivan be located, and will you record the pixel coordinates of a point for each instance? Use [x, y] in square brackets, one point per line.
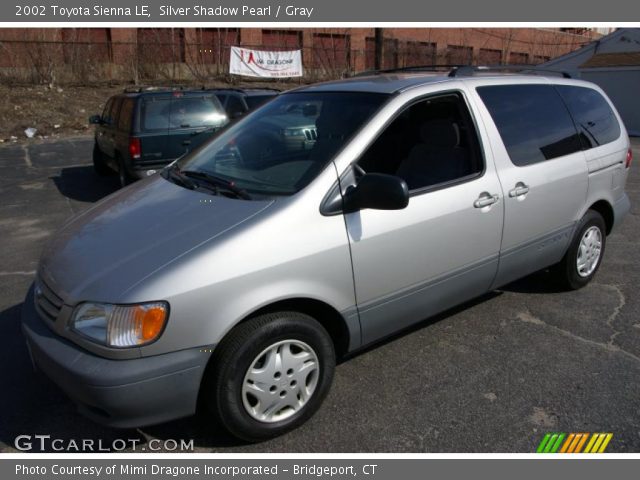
[333, 216]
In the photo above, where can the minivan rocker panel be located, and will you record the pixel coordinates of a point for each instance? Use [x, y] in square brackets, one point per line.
[235, 278]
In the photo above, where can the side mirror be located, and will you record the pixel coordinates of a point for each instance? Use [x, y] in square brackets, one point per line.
[95, 119]
[377, 191]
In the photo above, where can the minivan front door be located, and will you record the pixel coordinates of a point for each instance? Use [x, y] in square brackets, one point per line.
[436, 253]
[442, 249]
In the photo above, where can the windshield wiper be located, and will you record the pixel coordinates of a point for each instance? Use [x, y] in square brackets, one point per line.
[176, 176]
[218, 182]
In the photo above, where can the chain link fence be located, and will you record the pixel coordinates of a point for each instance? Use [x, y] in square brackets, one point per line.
[165, 55]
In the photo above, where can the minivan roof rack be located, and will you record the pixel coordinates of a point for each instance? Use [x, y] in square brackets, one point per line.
[414, 68]
[471, 70]
[467, 70]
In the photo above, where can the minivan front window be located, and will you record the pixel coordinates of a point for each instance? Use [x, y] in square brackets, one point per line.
[283, 146]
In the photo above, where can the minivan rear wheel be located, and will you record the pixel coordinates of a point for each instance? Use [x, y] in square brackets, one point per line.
[270, 375]
[99, 165]
[583, 258]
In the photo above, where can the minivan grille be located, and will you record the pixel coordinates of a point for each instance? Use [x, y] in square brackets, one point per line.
[47, 302]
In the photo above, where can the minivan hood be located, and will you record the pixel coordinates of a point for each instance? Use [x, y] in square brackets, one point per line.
[106, 250]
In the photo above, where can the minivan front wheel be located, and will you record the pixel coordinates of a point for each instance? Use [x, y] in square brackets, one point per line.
[583, 258]
[270, 375]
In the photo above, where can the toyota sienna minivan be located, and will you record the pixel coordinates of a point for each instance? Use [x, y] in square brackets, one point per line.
[233, 279]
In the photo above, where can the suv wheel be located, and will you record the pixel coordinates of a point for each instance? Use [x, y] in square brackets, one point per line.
[99, 165]
[123, 175]
[270, 375]
[582, 260]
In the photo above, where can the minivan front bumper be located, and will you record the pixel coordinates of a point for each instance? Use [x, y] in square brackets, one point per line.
[117, 393]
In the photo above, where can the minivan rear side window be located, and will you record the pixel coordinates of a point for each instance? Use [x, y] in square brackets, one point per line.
[593, 116]
[533, 121]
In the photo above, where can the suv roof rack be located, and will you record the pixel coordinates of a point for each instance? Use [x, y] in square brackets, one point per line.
[153, 88]
[244, 89]
[467, 70]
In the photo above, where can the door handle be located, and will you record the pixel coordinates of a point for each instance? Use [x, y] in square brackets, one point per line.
[485, 199]
[520, 189]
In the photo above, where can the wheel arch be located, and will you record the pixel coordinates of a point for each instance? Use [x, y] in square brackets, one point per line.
[333, 321]
[335, 324]
[604, 208]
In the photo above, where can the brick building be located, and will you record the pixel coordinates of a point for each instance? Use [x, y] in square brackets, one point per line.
[123, 53]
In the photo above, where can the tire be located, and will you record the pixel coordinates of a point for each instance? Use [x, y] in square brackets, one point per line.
[99, 165]
[123, 176]
[232, 385]
[592, 230]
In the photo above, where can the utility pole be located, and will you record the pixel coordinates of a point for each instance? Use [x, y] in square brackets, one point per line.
[379, 44]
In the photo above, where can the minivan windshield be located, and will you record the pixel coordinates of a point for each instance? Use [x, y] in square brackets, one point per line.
[283, 146]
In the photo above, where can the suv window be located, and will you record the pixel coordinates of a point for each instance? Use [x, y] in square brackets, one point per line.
[254, 101]
[431, 142]
[112, 118]
[234, 106]
[106, 110]
[533, 121]
[126, 112]
[594, 117]
[181, 111]
[155, 113]
[196, 111]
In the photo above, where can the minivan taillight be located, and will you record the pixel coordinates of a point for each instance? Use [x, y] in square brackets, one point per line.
[135, 149]
[627, 164]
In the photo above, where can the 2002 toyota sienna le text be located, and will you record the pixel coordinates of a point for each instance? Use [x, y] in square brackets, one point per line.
[333, 216]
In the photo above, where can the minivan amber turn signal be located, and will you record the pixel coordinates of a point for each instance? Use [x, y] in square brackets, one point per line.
[120, 325]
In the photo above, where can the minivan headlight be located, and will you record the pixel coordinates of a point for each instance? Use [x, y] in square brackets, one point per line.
[120, 325]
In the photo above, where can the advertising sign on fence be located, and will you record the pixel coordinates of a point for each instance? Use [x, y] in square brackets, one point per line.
[260, 63]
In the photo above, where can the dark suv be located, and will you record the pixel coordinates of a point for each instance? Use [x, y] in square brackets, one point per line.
[142, 130]
[238, 101]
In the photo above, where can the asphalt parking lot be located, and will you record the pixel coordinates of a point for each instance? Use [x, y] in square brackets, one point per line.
[491, 376]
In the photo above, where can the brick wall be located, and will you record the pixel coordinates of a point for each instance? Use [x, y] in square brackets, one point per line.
[130, 53]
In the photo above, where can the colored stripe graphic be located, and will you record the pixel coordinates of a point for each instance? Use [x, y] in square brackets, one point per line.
[558, 442]
[581, 443]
